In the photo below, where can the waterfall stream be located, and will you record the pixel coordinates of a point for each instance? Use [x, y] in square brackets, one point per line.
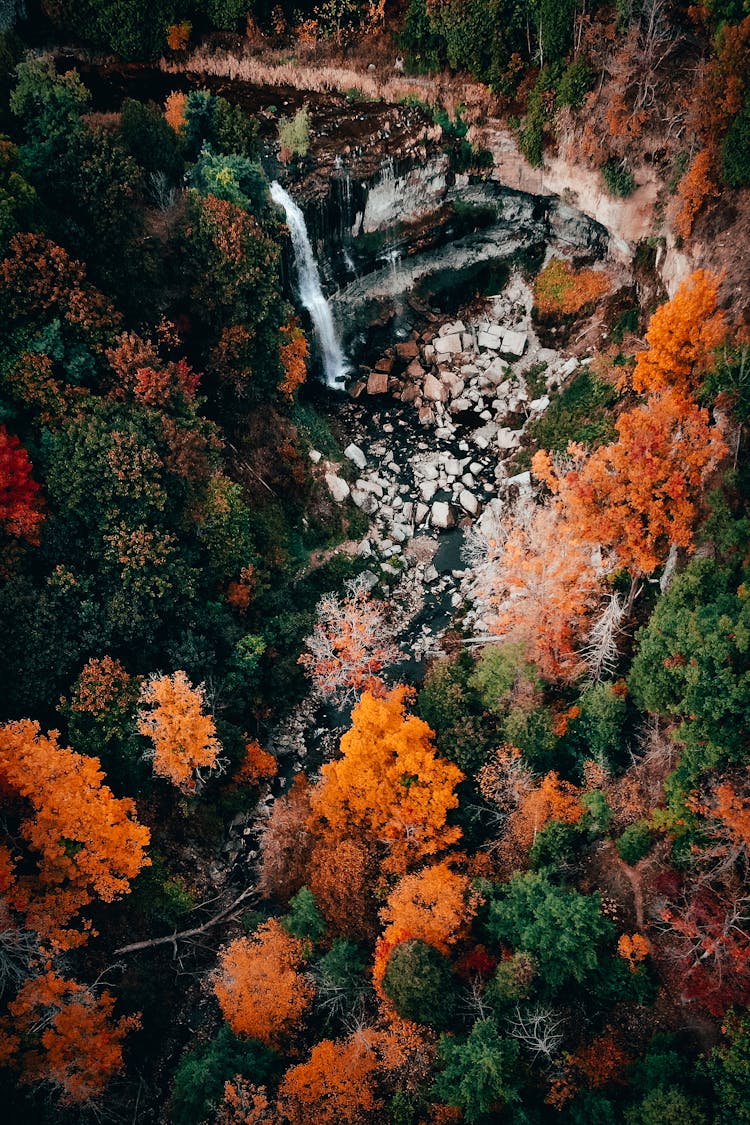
[335, 366]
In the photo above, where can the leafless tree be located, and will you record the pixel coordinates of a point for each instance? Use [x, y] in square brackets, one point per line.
[539, 1030]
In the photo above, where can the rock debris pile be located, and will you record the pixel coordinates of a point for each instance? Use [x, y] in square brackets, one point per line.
[437, 454]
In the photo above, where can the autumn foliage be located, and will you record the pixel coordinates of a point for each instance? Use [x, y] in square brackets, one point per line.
[86, 844]
[695, 187]
[334, 1087]
[640, 494]
[553, 799]
[174, 111]
[435, 905]
[21, 508]
[184, 737]
[539, 585]
[562, 290]
[259, 986]
[294, 352]
[682, 336]
[389, 784]
[79, 1048]
[65, 1035]
[349, 645]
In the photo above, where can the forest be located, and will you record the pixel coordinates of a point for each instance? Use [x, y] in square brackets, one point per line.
[379, 752]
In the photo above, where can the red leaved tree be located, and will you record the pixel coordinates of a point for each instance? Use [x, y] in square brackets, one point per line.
[21, 508]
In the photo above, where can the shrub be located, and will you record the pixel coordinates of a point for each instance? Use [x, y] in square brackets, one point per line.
[304, 919]
[618, 178]
[581, 413]
[294, 133]
[635, 842]
[562, 290]
[576, 81]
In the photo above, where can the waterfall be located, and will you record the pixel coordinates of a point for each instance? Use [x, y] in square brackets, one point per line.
[335, 366]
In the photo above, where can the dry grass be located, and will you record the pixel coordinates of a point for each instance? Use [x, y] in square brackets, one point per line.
[330, 75]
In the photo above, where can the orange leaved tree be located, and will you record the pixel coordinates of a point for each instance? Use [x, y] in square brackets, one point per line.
[293, 352]
[682, 337]
[184, 738]
[553, 799]
[244, 1104]
[639, 495]
[64, 1034]
[435, 905]
[75, 841]
[259, 986]
[334, 1087]
[390, 785]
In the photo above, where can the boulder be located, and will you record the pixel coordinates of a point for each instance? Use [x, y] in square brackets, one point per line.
[415, 370]
[507, 439]
[427, 490]
[441, 515]
[426, 469]
[523, 480]
[489, 341]
[539, 405]
[459, 405]
[468, 502]
[315, 456]
[377, 383]
[447, 345]
[409, 349]
[365, 501]
[421, 512]
[385, 363]
[410, 392]
[568, 367]
[337, 487]
[355, 454]
[452, 329]
[434, 390]
[514, 343]
[496, 372]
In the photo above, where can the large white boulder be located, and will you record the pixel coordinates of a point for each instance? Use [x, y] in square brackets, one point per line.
[337, 487]
[441, 515]
[514, 343]
[355, 454]
[447, 345]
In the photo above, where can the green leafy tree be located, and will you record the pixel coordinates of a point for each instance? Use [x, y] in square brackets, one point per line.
[199, 1079]
[562, 929]
[150, 140]
[666, 1106]
[304, 920]
[693, 663]
[728, 1067]
[635, 842]
[235, 178]
[419, 982]
[479, 1074]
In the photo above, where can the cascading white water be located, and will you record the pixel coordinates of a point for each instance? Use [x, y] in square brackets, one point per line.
[335, 366]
